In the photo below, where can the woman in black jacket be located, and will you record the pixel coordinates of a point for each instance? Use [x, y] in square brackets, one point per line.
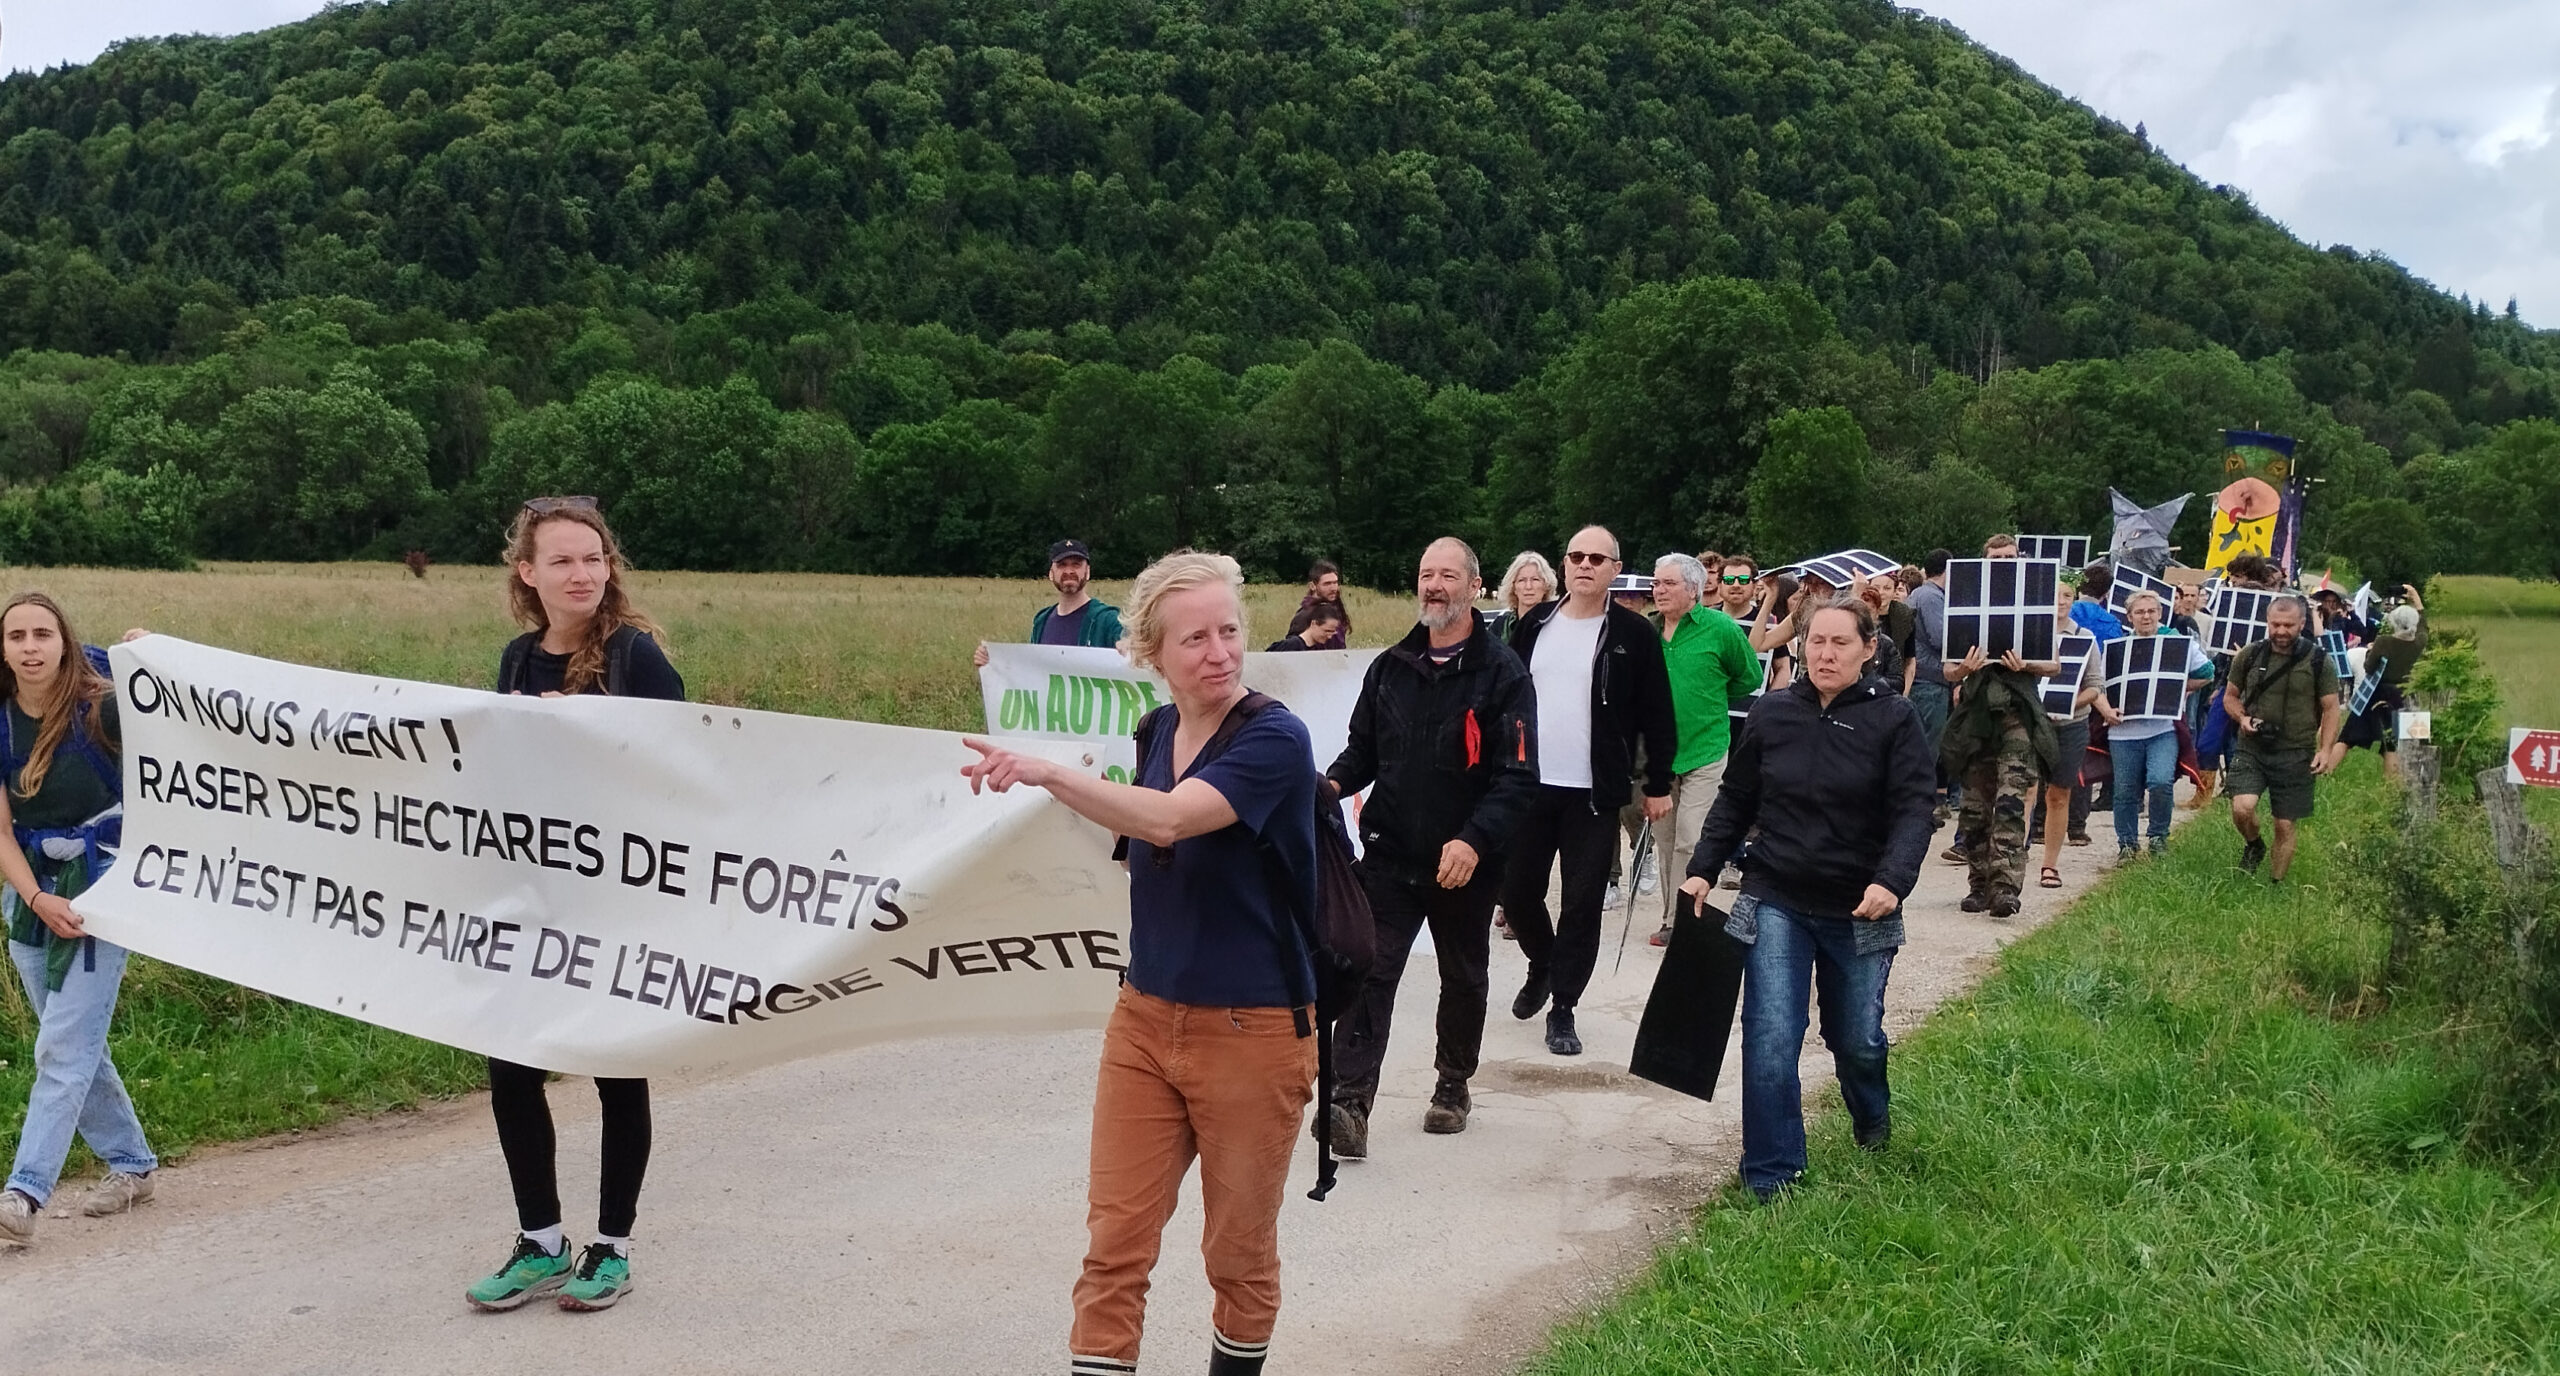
[1837, 774]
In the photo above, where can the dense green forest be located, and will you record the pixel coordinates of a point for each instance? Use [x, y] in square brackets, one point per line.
[839, 284]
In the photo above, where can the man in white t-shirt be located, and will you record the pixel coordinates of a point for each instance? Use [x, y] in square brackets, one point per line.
[1601, 685]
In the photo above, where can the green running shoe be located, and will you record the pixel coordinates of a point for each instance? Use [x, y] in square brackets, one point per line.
[604, 1277]
[530, 1274]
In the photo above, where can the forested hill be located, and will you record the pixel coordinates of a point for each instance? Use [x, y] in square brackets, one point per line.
[841, 284]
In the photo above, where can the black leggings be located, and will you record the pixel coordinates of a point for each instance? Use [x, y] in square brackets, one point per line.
[524, 1133]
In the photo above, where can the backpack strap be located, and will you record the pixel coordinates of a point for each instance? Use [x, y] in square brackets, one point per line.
[511, 664]
[617, 661]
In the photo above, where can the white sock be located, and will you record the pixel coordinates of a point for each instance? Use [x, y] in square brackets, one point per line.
[620, 1245]
[549, 1238]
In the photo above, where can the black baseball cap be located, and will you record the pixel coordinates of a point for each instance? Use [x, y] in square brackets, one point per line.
[1070, 549]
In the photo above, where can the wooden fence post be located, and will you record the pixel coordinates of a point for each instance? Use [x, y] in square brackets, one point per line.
[2520, 851]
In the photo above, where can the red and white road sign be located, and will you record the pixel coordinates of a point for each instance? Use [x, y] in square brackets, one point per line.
[2533, 757]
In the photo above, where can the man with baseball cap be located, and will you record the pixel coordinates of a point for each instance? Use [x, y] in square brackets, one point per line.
[1077, 619]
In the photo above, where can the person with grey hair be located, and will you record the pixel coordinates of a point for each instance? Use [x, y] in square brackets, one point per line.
[1712, 666]
[2402, 638]
[1529, 583]
[1441, 736]
[2284, 698]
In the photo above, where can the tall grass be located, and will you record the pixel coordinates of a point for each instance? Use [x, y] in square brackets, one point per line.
[2177, 1131]
[208, 1061]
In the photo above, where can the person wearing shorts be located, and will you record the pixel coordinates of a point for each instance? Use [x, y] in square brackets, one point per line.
[2283, 697]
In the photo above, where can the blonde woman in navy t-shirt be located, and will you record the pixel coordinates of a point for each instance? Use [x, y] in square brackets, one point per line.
[1204, 1055]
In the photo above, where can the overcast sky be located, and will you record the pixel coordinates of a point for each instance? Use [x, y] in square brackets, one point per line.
[2421, 128]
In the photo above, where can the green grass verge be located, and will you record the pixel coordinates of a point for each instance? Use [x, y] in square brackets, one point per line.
[2174, 1131]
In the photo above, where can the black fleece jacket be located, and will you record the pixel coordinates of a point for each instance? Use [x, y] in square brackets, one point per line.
[1451, 748]
[1630, 697]
[1842, 796]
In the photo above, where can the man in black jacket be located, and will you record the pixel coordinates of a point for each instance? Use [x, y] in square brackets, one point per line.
[1442, 730]
[1835, 772]
[1600, 686]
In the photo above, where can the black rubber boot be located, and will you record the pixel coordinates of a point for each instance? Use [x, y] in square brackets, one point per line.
[1223, 1362]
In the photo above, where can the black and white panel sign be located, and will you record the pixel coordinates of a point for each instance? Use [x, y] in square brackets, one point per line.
[2001, 605]
[2147, 675]
[2060, 688]
[2334, 644]
[2070, 551]
[2239, 618]
[1846, 569]
[1740, 707]
[2361, 700]
[2130, 581]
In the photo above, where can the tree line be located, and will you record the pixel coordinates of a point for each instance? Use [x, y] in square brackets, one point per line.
[817, 284]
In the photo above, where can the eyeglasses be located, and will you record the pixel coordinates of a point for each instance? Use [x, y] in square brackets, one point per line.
[1577, 556]
[544, 506]
[1735, 580]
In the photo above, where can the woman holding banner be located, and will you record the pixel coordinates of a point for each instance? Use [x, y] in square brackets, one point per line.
[61, 818]
[565, 582]
[1208, 1051]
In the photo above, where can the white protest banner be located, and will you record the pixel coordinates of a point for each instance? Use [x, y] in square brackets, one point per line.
[593, 885]
[1094, 697]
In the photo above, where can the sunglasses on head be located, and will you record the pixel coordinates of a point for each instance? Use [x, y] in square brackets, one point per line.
[1577, 556]
[544, 506]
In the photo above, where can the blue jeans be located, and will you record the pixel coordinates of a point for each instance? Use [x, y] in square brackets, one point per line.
[2144, 768]
[1773, 1022]
[76, 1086]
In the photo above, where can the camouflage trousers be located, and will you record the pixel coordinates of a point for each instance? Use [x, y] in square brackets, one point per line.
[1998, 789]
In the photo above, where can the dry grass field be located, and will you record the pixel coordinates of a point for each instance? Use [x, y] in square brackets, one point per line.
[872, 649]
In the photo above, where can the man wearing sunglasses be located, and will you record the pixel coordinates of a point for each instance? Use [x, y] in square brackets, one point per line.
[1078, 618]
[1600, 684]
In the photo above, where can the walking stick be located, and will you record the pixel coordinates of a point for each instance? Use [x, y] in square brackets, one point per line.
[1635, 872]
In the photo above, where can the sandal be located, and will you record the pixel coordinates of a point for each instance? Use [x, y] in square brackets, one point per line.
[2052, 878]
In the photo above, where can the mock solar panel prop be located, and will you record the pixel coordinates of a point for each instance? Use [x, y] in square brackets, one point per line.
[2130, 581]
[2147, 675]
[2070, 551]
[2060, 688]
[2001, 605]
[2334, 644]
[1846, 569]
[1740, 708]
[2361, 700]
[2239, 618]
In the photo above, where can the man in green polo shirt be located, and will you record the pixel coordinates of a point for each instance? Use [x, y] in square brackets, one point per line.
[1712, 665]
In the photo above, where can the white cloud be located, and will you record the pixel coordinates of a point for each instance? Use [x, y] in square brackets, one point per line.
[2420, 129]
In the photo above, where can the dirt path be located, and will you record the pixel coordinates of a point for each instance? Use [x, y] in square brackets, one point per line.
[918, 1209]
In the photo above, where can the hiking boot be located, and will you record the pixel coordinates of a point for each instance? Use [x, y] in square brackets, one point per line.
[117, 1193]
[18, 1218]
[2127, 851]
[2075, 838]
[1350, 1132]
[1561, 1039]
[1876, 1138]
[1973, 903]
[1954, 855]
[1449, 1107]
[1533, 996]
[2159, 846]
[530, 1274]
[1661, 936]
[604, 1277]
[1733, 881]
[2005, 905]
[2250, 856]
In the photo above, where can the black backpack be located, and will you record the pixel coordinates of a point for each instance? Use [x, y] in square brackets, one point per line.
[1340, 938]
